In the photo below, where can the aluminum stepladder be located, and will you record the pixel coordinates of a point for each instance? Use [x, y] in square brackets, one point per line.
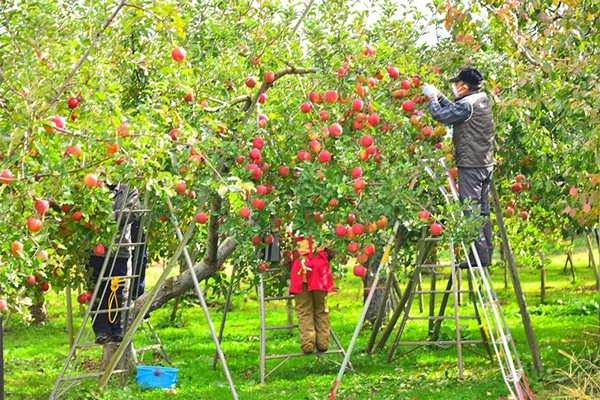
[68, 377]
[145, 307]
[435, 321]
[263, 328]
[155, 345]
[504, 347]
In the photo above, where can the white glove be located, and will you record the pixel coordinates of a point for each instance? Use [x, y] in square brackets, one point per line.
[429, 90]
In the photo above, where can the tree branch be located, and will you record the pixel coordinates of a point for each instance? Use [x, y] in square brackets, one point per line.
[82, 58]
[212, 242]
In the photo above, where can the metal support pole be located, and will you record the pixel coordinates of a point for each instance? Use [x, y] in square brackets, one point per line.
[261, 305]
[225, 310]
[1, 357]
[382, 264]
[211, 326]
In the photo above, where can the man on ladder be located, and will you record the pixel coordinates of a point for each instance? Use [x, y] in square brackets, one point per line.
[473, 138]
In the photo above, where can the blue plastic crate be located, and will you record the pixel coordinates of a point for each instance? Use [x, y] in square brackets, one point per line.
[156, 377]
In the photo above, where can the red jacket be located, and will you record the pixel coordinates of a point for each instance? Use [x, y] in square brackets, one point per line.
[318, 272]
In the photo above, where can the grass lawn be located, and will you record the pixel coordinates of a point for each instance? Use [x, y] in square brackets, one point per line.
[34, 355]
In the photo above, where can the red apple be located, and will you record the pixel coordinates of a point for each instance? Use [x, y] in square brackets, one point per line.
[369, 249]
[16, 248]
[358, 229]
[269, 76]
[88, 295]
[435, 229]
[359, 184]
[341, 231]
[314, 146]
[519, 178]
[353, 247]
[260, 189]
[43, 255]
[6, 177]
[44, 286]
[72, 102]
[2, 305]
[77, 216]
[405, 84]
[359, 271]
[331, 96]
[98, 250]
[424, 215]
[351, 218]
[269, 239]
[366, 141]
[283, 170]
[244, 212]
[189, 97]
[30, 280]
[201, 218]
[515, 188]
[277, 222]
[373, 119]
[362, 258]
[335, 129]
[258, 143]
[408, 105]
[333, 203]
[254, 154]
[263, 98]
[382, 222]
[356, 172]
[251, 81]
[393, 72]
[324, 156]
[357, 104]
[42, 206]
[318, 217]
[258, 203]
[305, 107]
[524, 215]
[178, 54]
[181, 188]
[34, 224]
[509, 212]
[90, 180]
[256, 240]
[82, 298]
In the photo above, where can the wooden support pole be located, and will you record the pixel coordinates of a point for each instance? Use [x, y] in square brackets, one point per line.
[516, 281]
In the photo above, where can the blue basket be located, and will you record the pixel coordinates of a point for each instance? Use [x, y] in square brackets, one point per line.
[156, 377]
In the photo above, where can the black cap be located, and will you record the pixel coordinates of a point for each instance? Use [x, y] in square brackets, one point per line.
[469, 75]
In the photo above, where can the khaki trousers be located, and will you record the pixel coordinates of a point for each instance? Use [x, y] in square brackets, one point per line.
[313, 319]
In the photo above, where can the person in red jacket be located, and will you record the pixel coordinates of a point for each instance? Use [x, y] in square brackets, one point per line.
[311, 281]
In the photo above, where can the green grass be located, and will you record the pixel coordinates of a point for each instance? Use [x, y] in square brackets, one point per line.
[34, 355]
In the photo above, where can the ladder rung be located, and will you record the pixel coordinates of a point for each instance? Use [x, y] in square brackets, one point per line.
[75, 377]
[146, 348]
[140, 211]
[302, 354]
[118, 245]
[439, 342]
[444, 317]
[507, 337]
[272, 328]
[440, 291]
[120, 277]
[433, 239]
[279, 298]
[272, 269]
[112, 311]
[436, 265]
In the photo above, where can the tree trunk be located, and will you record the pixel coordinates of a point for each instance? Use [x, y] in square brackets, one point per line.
[378, 295]
[38, 311]
[542, 278]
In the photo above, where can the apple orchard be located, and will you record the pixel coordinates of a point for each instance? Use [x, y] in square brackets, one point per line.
[269, 118]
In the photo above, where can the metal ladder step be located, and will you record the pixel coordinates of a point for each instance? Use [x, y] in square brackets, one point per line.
[96, 374]
[440, 291]
[274, 356]
[439, 342]
[279, 298]
[443, 317]
[95, 312]
[150, 347]
[120, 277]
[436, 265]
[272, 270]
[275, 327]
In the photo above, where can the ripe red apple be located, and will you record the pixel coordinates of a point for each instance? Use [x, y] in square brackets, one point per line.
[43, 255]
[88, 295]
[174, 134]
[6, 177]
[260, 189]
[371, 150]
[178, 54]
[335, 129]
[42, 206]
[90, 180]
[524, 215]
[189, 97]
[2, 305]
[359, 271]
[353, 247]
[358, 229]
[351, 218]
[72, 102]
[362, 258]
[382, 222]
[333, 203]
[424, 215]
[269, 239]
[405, 84]
[256, 240]
[251, 81]
[314, 146]
[359, 184]
[244, 212]
[256, 171]
[324, 156]
[59, 122]
[269, 76]
[572, 191]
[393, 72]
[201, 218]
[181, 188]
[82, 298]
[509, 212]
[123, 129]
[258, 142]
[373, 119]
[254, 154]
[283, 170]
[331, 96]
[519, 178]
[318, 217]
[369, 249]
[262, 268]
[98, 250]
[34, 224]
[304, 156]
[408, 105]
[371, 226]
[30, 280]
[163, 218]
[263, 98]
[515, 188]
[357, 104]
[77, 216]
[366, 141]
[305, 107]
[341, 231]
[435, 229]
[341, 72]
[258, 203]
[44, 286]
[16, 248]
[356, 172]
[369, 51]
